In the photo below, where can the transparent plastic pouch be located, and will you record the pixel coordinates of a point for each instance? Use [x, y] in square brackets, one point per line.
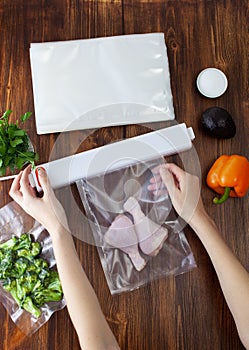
[14, 222]
[91, 83]
[137, 233]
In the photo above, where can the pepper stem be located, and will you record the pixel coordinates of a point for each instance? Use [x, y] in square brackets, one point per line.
[224, 197]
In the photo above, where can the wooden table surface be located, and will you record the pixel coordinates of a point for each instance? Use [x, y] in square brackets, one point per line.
[184, 312]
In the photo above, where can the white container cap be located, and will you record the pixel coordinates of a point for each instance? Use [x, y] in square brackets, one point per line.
[211, 82]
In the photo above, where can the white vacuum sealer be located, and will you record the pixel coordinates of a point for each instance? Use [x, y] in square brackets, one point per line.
[117, 155]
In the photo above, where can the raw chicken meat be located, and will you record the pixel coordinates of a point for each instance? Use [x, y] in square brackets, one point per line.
[151, 236]
[121, 234]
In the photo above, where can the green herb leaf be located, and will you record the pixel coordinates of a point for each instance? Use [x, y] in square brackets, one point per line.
[2, 171]
[7, 160]
[14, 144]
[25, 116]
[2, 150]
[27, 155]
[20, 161]
[7, 114]
[19, 132]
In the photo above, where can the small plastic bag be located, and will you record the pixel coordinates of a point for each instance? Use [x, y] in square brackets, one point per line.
[14, 222]
[104, 197]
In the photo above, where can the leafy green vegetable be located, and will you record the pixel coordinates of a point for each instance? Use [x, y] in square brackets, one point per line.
[14, 144]
[29, 306]
[27, 276]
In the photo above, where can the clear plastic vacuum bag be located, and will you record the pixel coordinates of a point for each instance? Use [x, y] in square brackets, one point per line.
[138, 234]
[14, 222]
[91, 83]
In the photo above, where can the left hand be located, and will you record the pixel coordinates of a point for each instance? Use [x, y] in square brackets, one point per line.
[46, 210]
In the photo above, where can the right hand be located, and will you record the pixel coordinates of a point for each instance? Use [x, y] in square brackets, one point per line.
[183, 189]
[47, 210]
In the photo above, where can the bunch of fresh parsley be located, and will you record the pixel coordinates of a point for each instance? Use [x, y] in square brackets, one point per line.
[14, 144]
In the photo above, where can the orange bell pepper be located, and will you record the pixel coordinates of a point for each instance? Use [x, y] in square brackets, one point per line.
[229, 176]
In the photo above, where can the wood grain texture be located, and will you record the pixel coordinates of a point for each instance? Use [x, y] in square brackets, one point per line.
[187, 312]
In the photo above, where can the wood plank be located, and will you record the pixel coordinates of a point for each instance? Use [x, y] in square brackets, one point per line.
[183, 312]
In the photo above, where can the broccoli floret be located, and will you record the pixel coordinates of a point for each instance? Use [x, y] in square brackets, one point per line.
[43, 274]
[24, 253]
[1, 255]
[15, 289]
[23, 242]
[40, 264]
[29, 280]
[53, 282]
[35, 248]
[51, 291]
[7, 284]
[12, 288]
[29, 306]
[31, 268]
[20, 292]
[19, 267]
[6, 264]
[26, 276]
[9, 244]
[7, 259]
[28, 249]
[43, 296]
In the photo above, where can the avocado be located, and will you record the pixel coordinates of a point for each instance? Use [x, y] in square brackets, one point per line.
[217, 122]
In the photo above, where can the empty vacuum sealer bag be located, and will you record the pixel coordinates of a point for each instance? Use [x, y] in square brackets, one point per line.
[91, 83]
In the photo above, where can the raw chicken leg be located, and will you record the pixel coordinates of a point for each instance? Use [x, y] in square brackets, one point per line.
[121, 234]
[151, 236]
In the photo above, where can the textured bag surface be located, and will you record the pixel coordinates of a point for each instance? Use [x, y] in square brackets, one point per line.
[104, 199]
[82, 84]
[14, 221]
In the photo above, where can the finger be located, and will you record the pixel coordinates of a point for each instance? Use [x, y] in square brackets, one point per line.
[161, 193]
[25, 184]
[33, 191]
[155, 183]
[156, 169]
[168, 180]
[14, 191]
[44, 181]
[176, 171]
[156, 186]
[152, 187]
[156, 178]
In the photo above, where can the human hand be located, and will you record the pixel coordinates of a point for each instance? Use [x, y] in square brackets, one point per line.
[183, 189]
[46, 210]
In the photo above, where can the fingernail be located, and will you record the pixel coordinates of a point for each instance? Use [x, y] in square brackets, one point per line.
[41, 170]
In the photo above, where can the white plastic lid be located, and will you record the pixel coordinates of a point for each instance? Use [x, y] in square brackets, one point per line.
[211, 82]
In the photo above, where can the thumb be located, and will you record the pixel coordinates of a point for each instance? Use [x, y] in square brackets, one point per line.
[42, 178]
[168, 180]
